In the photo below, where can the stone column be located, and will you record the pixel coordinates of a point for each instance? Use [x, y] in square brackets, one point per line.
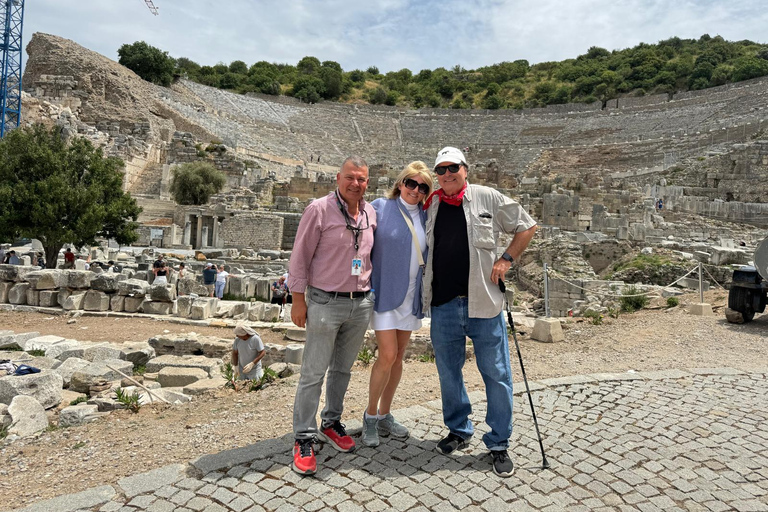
[187, 232]
[215, 231]
[199, 231]
[204, 240]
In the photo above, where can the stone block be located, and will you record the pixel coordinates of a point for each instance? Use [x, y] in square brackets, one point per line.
[702, 309]
[138, 352]
[102, 352]
[274, 354]
[43, 362]
[210, 365]
[162, 293]
[204, 386]
[73, 301]
[40, 342]
[170, 377]
[117, 303]
[547, 330]
[82, 379]
[27, 416]
[49, 298]
[271, 313]
[18, 293]
[49, 279]
[45, 387]
[296, 334]
[173, 395]
[733, 316]
[55, 350]
[188, 286]
[78, 415]
[285, 370]
[96, 301]
[133, 288]
[5, 287]
[184, 306]
[33, 297]
[256, 312]
[78, 279]
[132, 304]
[294, 353]
[69, 367]
[8, 272]
[203, 308]
[107, 282]
[191, 344]
[151, 307]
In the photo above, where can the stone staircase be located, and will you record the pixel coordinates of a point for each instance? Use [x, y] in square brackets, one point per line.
[148, 182]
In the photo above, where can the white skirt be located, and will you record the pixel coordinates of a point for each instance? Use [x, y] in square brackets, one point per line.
[160, 280]
[400, 318]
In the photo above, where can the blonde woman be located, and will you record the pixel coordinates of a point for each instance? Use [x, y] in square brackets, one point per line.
[396, 277]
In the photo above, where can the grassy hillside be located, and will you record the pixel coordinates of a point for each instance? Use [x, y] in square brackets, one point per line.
[665, 67]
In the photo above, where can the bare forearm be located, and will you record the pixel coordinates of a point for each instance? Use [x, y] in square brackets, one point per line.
[520, 242]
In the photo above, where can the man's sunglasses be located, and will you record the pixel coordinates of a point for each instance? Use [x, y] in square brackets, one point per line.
[412, 184]
[453, 168]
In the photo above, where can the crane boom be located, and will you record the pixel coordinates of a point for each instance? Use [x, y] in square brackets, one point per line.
[152, 7]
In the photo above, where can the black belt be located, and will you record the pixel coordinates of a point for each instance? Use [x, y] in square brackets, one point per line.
[344, 295]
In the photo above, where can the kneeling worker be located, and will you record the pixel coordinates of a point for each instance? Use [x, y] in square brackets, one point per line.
[247, 353]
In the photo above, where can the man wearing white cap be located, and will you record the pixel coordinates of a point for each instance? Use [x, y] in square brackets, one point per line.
[462, 293]
[209, 278]
[247, 353]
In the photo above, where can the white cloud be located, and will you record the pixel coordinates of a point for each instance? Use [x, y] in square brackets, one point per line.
[391, 34]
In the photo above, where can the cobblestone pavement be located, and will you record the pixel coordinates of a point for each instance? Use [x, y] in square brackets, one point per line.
[670, 440]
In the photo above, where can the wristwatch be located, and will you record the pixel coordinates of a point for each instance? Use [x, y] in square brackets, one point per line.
[507, 257]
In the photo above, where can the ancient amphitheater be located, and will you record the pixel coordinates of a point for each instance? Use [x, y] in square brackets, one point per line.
[577, 167]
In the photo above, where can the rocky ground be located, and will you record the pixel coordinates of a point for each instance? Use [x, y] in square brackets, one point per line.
[69, 460]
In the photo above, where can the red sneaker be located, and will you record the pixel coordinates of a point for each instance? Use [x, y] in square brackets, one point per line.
[304, 462]
[337, 437]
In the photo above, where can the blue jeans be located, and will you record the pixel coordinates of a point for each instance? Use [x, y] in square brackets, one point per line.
[450, 325]
[220, 289]
[335, 330]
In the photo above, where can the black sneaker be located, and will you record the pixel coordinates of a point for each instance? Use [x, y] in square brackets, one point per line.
[451, 443]
[502, 464]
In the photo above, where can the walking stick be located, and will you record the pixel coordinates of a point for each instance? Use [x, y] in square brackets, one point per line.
[503, 288]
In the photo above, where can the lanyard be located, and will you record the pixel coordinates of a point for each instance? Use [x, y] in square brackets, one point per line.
[356, 230]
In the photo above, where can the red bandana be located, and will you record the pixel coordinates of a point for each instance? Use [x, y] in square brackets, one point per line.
[454, 200]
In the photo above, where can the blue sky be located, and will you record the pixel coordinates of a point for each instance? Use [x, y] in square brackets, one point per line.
[391, 34]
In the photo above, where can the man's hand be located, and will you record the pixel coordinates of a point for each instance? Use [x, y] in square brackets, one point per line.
[500, 269]
[299, 310]
[247, 368]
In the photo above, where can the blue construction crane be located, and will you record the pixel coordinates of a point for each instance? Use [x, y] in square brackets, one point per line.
[10, 81]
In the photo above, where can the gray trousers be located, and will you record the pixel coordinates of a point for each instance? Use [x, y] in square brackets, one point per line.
[335, 330]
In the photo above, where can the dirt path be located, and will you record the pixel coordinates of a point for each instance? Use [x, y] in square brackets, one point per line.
[69, 460]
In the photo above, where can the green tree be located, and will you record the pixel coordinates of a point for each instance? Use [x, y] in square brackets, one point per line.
[308, 88]
[238, 67]
[187, 67]
[61, 192]
[150, 63]
[195, 182]
[372, 70]
[308, 65]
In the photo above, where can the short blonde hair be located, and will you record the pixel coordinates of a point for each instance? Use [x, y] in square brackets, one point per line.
[417, 168]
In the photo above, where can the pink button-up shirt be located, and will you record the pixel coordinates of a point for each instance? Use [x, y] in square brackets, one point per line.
[324, 248]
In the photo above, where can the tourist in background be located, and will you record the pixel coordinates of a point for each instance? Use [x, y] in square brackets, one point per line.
[399, 253]
[209, 278]
[162, 273]
[279, 291]
[221, 281]
[461, 288]
[69, 259]
[12, 258]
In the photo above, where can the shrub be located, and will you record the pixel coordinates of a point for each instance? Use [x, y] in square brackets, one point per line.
[426, 358]
[228, 372]
[150, 63]
[594, 317]
[269, 377]
[631, 300]
[194, 183]
[79, 400]
[131, 402]
[365, 356]
[672, 302]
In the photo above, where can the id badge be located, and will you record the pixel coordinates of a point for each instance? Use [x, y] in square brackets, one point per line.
[357, 266]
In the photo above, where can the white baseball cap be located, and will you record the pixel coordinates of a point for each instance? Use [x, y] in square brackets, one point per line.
[209, 264]
[450, 154]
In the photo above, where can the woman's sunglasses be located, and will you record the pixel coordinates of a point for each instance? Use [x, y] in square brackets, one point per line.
[411, 184]
[453, 168]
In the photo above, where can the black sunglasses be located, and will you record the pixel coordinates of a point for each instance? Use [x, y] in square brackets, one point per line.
[453, 168]
[411, 184]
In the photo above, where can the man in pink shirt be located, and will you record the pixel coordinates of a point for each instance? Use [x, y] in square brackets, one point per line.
[330, 279]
